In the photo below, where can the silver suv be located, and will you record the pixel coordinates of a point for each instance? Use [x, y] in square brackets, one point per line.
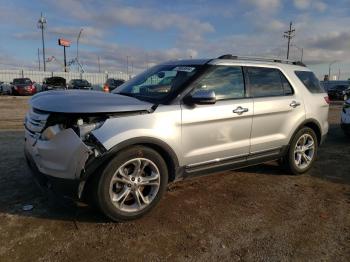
[176, 120]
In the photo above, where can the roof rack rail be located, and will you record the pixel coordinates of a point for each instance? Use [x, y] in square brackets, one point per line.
[262, 59]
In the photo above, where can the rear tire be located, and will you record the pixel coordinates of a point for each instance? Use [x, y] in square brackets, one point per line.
[302, 151]
[131, 184]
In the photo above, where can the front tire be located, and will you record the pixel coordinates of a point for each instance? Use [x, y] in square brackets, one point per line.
[302, 151]
[132, 183]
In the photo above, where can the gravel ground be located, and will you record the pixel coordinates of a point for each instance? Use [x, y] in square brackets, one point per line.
[256, 213]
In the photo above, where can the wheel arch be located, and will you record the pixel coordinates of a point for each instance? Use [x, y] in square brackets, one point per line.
[158, 145]
[314, 125]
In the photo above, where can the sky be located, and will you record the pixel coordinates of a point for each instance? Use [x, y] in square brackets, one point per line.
[149, 32]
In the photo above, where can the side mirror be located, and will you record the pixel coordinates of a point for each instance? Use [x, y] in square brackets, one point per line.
[201, 97]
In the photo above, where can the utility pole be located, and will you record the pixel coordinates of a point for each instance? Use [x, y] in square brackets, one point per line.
[65, 59]
[99, 64]
[78, 38]
[289, 35]
[39, 58]
[42, 26]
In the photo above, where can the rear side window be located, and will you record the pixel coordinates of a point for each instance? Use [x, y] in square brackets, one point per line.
[266, 82]
[310, 81]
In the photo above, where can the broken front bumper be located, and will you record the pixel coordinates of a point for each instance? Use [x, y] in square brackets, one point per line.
[57, 163]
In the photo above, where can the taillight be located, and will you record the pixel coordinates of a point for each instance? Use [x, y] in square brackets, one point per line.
[326, 98]
[106, 88]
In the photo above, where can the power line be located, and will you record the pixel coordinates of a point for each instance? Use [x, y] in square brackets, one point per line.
[289, 35]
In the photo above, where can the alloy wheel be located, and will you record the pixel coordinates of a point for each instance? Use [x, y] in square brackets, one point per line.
[304, 151]
[134, 185]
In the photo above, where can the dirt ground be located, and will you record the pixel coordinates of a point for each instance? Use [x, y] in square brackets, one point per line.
[257, 213]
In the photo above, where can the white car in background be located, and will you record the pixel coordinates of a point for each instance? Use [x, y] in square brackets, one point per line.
[345, 118]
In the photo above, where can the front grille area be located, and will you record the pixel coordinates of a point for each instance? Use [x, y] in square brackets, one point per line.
[35, 122]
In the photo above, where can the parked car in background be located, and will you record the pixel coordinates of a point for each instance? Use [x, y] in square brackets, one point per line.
[22, 86]
[5, 88]
[345, 118]
[121, 149]
[337, 92]
[79, 84]
[54, 83]
[346, 94]
[112, 84]
[332, 83]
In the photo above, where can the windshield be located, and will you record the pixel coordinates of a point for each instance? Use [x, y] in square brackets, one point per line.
[158, 82]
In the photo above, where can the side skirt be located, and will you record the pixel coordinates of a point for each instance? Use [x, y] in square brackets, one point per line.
[234, 162]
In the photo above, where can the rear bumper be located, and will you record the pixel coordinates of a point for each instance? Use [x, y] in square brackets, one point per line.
[24, 92]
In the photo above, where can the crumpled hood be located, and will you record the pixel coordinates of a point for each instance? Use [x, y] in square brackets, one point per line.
[82, 101]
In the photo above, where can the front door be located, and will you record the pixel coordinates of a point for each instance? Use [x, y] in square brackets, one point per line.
[214, 133]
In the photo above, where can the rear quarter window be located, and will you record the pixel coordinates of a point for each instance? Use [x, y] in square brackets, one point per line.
[310, 81]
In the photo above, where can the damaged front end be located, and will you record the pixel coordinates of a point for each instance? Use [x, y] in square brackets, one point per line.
[59, 146]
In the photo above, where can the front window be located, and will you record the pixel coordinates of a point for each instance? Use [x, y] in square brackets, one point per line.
[158, 82]
[226, 81]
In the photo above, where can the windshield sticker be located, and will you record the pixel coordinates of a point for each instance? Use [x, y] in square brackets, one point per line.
[187, 69]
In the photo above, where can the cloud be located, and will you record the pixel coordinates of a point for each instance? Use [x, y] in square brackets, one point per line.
[108, 15]
[265, 5]
[320, 6]
[331, 41]
[302, 4]
[310, 4]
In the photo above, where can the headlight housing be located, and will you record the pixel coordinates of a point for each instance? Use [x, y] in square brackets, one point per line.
[86, 128]
[81, 127]
[51, 131]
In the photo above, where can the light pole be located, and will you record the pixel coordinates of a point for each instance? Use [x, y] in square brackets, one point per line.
[127, 65]
[39, 58]
[300, 49]
[81, 30]
[329, 69]
[42, 26]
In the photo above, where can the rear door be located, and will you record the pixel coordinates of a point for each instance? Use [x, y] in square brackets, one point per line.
[221, 131]
[277, 108]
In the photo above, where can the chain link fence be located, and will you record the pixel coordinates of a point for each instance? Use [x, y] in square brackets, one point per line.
[7, 76]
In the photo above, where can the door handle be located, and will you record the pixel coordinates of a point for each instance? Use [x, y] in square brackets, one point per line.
[240, 110]
[294, 104]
